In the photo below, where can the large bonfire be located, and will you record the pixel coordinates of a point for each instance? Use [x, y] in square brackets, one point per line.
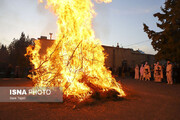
[75, 61]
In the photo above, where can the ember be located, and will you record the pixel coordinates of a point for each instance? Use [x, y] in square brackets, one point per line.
[76, 60]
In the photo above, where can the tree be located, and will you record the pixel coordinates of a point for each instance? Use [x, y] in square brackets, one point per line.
[167, 41]
[4, 54]
[4, 57]
[17, 50]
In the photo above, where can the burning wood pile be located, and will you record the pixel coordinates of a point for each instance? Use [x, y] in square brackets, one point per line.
[76, 60]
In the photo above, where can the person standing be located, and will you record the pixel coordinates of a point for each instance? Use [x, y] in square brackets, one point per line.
[152, 71]
[9, 70]
[142, 72]
[137, 72]
[169, 73]
[164, 74]
[158, 73]
[17, 71]
[147, 72]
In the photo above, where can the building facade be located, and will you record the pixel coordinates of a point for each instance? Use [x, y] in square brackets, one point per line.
[119, 57]
[116, 57]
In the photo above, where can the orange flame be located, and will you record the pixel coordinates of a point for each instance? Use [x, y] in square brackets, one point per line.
[76, 59]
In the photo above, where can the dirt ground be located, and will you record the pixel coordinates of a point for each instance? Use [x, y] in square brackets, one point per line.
[144, 101]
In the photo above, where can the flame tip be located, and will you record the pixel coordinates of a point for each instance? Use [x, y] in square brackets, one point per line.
[76, 59]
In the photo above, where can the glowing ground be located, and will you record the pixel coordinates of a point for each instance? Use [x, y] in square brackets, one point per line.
[145, 100]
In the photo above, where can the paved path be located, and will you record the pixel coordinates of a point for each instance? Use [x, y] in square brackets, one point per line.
[144, 101]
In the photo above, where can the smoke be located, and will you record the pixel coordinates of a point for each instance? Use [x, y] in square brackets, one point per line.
[145, 48]
[106, 1]
[101, 23]
[49, 19]
[41, 8]
[50, 27]
[2, 3]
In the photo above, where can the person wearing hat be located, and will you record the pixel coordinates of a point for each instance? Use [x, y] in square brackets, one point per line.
[147, 72]
[142, 72]
[158, 73]
[136, 72]
[169, 73]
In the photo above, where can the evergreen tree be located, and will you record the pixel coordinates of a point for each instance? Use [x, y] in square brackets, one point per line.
[167, 41]
[4, 54]
[4, 58]
[17, 51]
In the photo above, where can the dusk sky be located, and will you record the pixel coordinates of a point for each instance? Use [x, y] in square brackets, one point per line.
[118, 22]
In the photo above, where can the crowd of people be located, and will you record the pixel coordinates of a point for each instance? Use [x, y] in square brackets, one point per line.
[154, 72]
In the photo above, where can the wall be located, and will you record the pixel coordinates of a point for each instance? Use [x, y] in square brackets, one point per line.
[115, 56]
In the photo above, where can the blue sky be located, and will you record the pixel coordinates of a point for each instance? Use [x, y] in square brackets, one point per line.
[118, 22]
